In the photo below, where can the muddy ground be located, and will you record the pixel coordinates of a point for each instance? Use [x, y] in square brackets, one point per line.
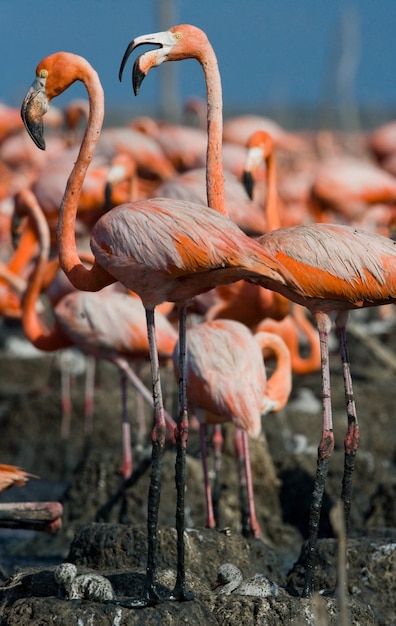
[111, 540]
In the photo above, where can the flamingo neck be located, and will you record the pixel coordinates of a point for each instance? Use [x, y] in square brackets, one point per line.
[272, 200]
[82, 278]
[214, 158]
[310, 363]
[34, 327]
[279, 384]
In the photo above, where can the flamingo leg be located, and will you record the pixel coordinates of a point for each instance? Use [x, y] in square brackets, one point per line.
[126, 468]
[150, 593]
[65, 397]
[140, 412]
[210, 518]
[250, 525]
[89, 396]
[255, 530]
[181, 436]
[143, 391]
[351, 440]
[217, 445]
[325, 450]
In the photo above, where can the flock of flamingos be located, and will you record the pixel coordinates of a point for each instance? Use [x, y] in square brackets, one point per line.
[246, 225]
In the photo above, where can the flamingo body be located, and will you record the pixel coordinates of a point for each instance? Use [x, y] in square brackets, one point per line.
[168, 260]
[338, 267]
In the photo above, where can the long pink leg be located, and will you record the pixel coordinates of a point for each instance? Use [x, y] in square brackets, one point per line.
[210, 518]
[65, 398]
[217, 445]
[140, 413]
[250, 526]
[325, 450]
[89, 400]
[127, 463]
[144, 392]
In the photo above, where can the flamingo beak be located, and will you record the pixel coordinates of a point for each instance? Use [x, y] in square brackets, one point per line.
[34, 106]
[248, 183]
[165, 40]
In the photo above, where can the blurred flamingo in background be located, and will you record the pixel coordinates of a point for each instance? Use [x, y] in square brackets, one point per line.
[242, 301]
[346, 189]
[226, 381]
[238, 129]
[290, 328]
[12, 476]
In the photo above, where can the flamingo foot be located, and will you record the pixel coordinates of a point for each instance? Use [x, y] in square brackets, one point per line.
[314, 517]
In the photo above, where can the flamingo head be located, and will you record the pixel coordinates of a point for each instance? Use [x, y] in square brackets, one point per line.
[54, 74]
[179, 42]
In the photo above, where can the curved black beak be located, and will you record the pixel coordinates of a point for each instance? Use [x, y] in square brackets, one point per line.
[164, 40]
[125, 58]
[34, 106]
[248, 183]
[138, 75]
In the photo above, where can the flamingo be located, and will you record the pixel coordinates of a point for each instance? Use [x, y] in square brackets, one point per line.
[345, 187]
[238, 129]
[12, 476]
[226, 381]
[182, 145]
[258, 303]
[190, 185]
[289, 328]
[164, 250]
[260, 148]
[332, 264]
[106, 325]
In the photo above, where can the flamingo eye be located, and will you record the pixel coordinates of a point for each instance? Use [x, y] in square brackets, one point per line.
[178, 35]
[43, 73]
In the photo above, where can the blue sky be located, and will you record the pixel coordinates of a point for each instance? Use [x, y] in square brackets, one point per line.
[270, 51]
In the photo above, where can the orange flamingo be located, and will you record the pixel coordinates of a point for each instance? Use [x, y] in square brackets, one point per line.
[260, 149]
[12, 476]
[289, 328]
[182, 145]
[226, 381]
[331, 262]
[345, 187]
[258, 303]
[106, 325]
[338, 274]
[190, 186]
[46, 516]
[164, 250]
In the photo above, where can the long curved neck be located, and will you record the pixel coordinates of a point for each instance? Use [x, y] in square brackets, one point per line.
[311, 362]
[214, 158]
[279, 384]
[34, 327]
[272, 200]
[82, 278]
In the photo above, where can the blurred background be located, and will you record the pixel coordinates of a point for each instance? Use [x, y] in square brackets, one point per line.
[307, 64]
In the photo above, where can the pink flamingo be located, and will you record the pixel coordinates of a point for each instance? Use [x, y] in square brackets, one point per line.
[12, 476]
[164, 250]
[226, 381]
[345, 187]
[182, 145]
[330, 261]
[289, 328]
[190, 185]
